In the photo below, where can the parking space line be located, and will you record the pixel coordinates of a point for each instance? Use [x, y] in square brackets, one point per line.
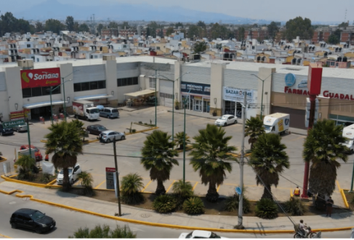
[217, 189]
[99, 184]
[146, 186]
[168, 189]
[194, 186]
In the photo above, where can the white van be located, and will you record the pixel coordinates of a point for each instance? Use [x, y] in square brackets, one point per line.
[109, 112]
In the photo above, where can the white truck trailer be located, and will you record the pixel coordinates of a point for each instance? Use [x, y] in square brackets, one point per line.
[277, 123]
[86, 110]
[348, 132]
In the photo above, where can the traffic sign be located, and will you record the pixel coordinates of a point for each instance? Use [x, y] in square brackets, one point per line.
[14, 123]
[238, 190]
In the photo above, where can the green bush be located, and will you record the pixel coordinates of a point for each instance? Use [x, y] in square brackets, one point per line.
[182, 191]
[86, 181]
[295, 207]
[193, 205]
[131, 187]
[45, 178]
[231, 204]
[133, 130]
[266, 209]
[104, 232]
[164, 204]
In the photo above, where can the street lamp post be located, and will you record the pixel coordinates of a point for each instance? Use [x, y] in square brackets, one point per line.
[262, 92]
[184, 138]
[51, 101]
[62, 80]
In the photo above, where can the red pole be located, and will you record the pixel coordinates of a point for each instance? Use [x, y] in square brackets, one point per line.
[307, 164]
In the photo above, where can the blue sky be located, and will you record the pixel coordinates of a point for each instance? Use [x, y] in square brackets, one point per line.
[278, 10]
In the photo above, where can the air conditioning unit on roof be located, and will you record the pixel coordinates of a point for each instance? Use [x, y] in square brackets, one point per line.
[25, 63]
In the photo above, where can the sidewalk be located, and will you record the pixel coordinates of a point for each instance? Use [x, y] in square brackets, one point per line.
[177, 220]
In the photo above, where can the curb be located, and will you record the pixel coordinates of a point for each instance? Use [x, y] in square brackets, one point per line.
[86, 142]
[41, 185]
[3, 159]
[213, 118]
[145, 130]
[343, 195]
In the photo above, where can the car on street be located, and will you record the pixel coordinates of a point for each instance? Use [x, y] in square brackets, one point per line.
[96, 129]
[32, 219]
[73, 175]
[20, 128]
[109, 112]
[37, 153]
[110, 136]
[199, 234]
[5, 131]
[226, 120]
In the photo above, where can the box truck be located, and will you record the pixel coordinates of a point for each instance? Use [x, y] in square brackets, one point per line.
[277, 123]
[348, 132]
[86, 110]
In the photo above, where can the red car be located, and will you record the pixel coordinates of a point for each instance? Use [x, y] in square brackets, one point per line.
[37, 153]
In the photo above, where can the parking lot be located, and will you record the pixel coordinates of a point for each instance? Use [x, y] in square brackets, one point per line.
[97, 156]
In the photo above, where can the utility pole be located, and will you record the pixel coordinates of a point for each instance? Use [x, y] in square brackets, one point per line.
[240, 203]
[117, 177]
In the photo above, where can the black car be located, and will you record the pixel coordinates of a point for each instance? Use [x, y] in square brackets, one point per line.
[96, 129]
[5, 131]
[32, 219]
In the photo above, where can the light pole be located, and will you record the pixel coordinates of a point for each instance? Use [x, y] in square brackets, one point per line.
[262, 91]
[173, 100]
[62, 80]
[51, 101]
[184, 138]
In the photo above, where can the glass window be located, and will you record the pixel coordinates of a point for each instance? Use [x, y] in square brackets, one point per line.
[93, 85]
[119, 82]
[152, 82]
[101, 84]
[57, 91]
[129, 81]
[26, 92]
[45, 90]
[36, 91]
[77, 87]
[124, 82]
[85, 86]
[135, 81]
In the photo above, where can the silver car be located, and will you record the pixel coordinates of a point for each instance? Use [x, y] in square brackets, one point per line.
[109, 136]
[20, 128]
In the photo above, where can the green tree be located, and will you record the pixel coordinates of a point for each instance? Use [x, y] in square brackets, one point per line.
[69, 23]
[210, 156]
[199, 47]
[125, 25]
[333, 39]
[54, 25]
[201, 24]
[158, 157]
[268, 159]
[179, 24]
[169, 31]
[25, 162]
[113, 25]
[99, 28]
[343, 25]
[104, 232]
[8, 23]
[273, 29]
[179, 138]
[39, 27]
[64, 141]
[219, 31]
[76, 26]
[152, 26]
[194, 31]
[23, 26]
[241, 33]
[84, 28]
[298, 27]
[80, 127]
[323, 147]
[253, 129]
[86, 181]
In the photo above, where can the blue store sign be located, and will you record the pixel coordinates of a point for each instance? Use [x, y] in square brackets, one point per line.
[198, 88]
[290, 79]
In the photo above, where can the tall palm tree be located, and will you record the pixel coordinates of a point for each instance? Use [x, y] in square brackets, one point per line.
[268, 159]
[253, 129]
[323, 147]
[210, 156]
[158, 157]
[64, 140]
[179, 139]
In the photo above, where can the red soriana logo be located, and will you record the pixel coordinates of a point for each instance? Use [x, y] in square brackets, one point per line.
[40, 77]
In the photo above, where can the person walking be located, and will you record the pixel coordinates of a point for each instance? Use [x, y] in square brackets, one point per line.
[297, 191]
[329, 206]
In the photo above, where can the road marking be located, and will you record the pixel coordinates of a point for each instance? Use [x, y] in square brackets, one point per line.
[298, 138]
[217, 190]
[146, 186]
[2, 235]
[194, 186]
[168, 189]
[100, 184]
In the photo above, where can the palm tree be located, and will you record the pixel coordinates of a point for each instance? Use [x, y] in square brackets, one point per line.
[131, 187]
[158, 157]
[179, 139]
[86, 181]
[253, 129]
[322, 147]
[268, 159]
[64, 140]
[80, 127]
[26, 162]
[210, 154]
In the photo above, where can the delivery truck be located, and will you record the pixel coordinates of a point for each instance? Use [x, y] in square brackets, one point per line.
[277, 123]
[85, 110]
[348, 132]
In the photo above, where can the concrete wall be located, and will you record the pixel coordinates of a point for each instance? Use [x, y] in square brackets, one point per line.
[14, 88]
[265, 74]
[111, 81]
[216, 87]
[67, 72]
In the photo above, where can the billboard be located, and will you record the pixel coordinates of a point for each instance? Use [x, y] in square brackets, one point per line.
[32, 78]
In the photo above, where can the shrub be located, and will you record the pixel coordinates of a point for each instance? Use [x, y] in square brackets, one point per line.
[266, 209]
[295, 207]
[182, 191]
[164, 204]
[104, 232]
[231, 204]
[193, 205]
[86, 182]
[131, 186]
[45, 178]
[133, 130]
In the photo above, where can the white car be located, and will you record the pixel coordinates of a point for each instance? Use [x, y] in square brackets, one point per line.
[199, 234]
[20, 128]
[110, 136]
[73, 175]
[226, 120]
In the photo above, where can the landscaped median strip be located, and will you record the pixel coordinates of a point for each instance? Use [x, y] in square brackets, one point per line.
[10, 179]
[145, 130]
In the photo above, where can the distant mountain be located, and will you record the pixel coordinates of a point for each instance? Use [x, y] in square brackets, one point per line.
[126, 12]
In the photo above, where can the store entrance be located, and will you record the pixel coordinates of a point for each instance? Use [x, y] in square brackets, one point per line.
[230, 108]
[40, 112]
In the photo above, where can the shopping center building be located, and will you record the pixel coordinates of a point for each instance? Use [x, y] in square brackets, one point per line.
[212, 87]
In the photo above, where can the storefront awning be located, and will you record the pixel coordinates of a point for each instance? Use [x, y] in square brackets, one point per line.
[92, 97]
[140, 93]
[42, 104]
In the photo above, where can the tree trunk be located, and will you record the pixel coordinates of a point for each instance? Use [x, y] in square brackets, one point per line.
[66, 183]
[267, 194]
[212, 195]
[160, 190]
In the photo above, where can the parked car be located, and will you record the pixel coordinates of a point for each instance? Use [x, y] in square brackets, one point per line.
[37, 153]
[199, 234]
[20, 128]
[5, 131]
[109, 136]
[226, 120]
[73, 175]
[109, 112]
[96, 129]
[32, 219]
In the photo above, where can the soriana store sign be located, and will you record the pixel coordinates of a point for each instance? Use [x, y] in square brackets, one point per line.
[33, 78]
